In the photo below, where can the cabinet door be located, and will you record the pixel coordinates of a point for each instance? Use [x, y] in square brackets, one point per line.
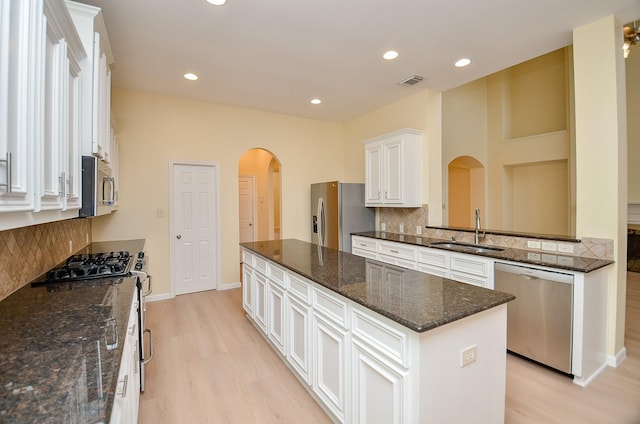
[260, 301]
[276, 317]
[298, 337]
[379, 388]
[247, 289]
[393, 171]
[329, 380]
[20, 29]
[373, 165]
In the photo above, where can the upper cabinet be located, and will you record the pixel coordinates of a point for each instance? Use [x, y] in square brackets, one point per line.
[96, 117]
[40, 106]
[393, 169]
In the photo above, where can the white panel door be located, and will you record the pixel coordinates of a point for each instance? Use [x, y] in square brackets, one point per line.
[194, 220]
[246, 209]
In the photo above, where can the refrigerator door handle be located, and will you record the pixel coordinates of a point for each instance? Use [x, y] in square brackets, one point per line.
[321, 223]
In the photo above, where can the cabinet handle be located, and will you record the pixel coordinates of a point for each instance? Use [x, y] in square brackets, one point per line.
[386, 195]
[363, 245]
[394, 251]
[61, 185]
[145, 293]
[7, 161]
[70, 186]
[147, 360]
[124, 382]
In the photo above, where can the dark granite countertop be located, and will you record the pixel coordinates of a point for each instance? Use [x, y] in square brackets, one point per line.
[416, 300]
[58, 359]
[548, 259]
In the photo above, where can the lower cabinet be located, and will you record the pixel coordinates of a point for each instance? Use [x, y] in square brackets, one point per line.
[127, 397]
[379, 387]
[298, 336]
[276, 317]
[260, 300]
[330, 370]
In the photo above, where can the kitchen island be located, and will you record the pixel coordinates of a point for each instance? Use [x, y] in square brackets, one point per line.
[375, 342]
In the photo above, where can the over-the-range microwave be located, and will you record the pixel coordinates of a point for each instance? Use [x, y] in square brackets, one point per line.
[98, 188]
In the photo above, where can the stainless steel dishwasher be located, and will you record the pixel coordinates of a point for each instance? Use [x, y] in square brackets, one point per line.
[539, 321]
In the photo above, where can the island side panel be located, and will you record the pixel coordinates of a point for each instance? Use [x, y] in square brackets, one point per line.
[474, 393]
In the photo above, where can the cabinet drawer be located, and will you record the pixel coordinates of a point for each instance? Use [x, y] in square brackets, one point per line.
[470, 265]
[398, 251]
[276, 275]
[299, 288]
[434, 258]
[331, 306]
[364, 253]
[260, 265]
[382, 337]
[433, 270]
[364, 243]
[247, 258]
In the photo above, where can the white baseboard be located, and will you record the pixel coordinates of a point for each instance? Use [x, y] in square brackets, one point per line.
[615, 361]
[230, 286]
[158, 297]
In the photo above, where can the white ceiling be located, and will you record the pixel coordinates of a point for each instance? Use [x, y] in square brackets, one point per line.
[276, 55]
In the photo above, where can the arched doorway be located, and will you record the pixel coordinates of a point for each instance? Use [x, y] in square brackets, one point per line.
[259, 193]
[466, 190]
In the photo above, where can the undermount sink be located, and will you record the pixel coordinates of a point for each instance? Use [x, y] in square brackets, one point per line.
[467, 247]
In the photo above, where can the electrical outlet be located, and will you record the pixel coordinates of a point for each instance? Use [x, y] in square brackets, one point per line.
[402, 228]
[70, 246]
[468, 355]
[533, 244]
[418, 230]
[565, 248]
[383, 226]
[549, 246]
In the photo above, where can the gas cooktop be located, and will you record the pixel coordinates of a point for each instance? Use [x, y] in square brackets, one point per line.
[91, 266]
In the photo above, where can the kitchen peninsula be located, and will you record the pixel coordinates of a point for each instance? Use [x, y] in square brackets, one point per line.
[373, 342]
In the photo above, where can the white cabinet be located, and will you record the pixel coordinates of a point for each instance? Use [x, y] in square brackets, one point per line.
[379, 388]
[260, 300]
[400, 254]
[127, 397]
[96, 117]
[58, 108]
[18, 35]
[472, 269]
[433, 261]
[40, 72]
[330, 350]
[247, 282]
[393, 169]
[298, 337]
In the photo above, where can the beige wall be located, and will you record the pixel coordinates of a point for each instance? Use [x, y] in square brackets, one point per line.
[157, 129]
[601, 153]
[633, 122]
[515, 118]
[421, 111]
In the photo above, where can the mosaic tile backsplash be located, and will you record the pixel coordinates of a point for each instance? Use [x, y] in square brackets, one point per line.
[26, 253]
[411, 218]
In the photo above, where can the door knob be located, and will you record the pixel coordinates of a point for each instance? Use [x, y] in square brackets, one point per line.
[179, 236]
[250, 224]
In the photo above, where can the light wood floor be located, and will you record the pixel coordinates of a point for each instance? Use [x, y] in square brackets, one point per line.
[212, 366]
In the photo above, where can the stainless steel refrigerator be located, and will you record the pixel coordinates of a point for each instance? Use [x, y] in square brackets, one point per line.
[337, 210]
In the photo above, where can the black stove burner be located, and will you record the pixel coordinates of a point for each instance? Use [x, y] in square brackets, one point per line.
[92, 265]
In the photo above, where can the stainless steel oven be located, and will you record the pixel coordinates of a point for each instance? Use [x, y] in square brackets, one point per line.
[144, 289]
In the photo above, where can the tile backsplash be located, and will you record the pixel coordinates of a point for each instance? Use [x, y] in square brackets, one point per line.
[26, 253]
[410, 218]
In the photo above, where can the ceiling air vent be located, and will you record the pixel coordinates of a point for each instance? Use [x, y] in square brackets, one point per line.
[411, 80]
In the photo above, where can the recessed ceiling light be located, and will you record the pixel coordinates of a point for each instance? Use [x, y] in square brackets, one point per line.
[190, 76]
[217, 2]
[316, 101]
[390, 55]
[462, 63]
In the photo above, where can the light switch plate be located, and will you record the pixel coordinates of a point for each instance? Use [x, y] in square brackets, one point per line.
[565, 248]
[533, 244]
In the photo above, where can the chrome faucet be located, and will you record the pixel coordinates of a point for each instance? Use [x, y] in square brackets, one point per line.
[477, 235]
